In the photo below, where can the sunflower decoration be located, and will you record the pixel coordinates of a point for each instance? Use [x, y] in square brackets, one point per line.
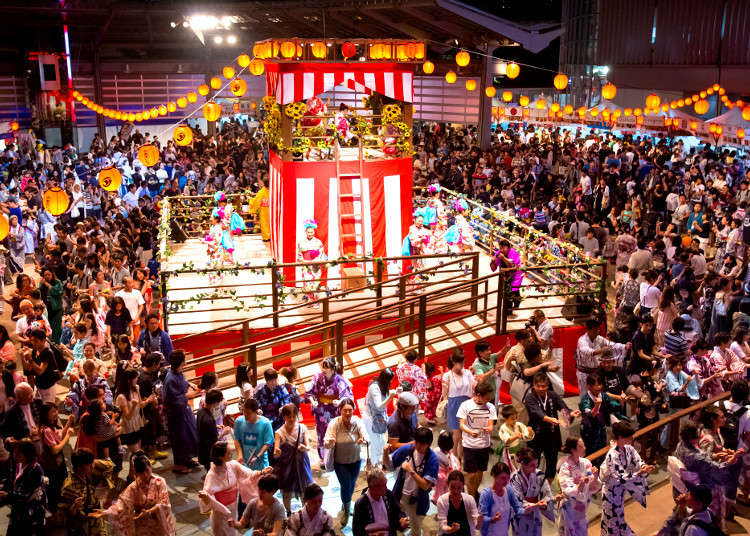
[360, 126]
[391, 113]
[268, 101]
[295, 110]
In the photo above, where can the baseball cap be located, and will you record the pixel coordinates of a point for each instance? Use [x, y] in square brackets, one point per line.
[408, 399]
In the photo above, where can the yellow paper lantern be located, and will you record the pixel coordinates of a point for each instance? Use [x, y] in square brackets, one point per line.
[523, 100]
[471, 85]
[653, 101]
[639, 120]
[526, 112]
[148, 155]
[568, 109]
[243, 60]
[490, 91]
[215, 82]
[450, 77]
[616, 113]
[171, 106]
[712, 128]
[693, 125]
[182, 102]
[204, 90]
[593, 112]
[719, 129]
[609, 91]
[192, 96]
[710, 91]
[55, 201]
[507, 96]
[4, 226]
[211, 111]
[118, 115]
[665, 107]
[680, 103]
[146, 114]
[637, 112]
[512, 70]
[257, 67]
[541, 104]
[420, 50]
[688, 101]
[560, 81]
[746, 113]
[110, 178]
[227, 72]
[554, 108]
[428, 67]
[154, 112]
[319, 50]
[463, 58]
[581, 112]
[605, 113]
[183, 135]
[131, 117]
[238, 87]
[740, 133]
[701, 107]
[288, 49]
[722, 91]
[162, 110]
[703, 94]
[716, 87]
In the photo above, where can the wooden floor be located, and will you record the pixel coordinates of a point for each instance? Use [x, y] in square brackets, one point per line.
[252, 251]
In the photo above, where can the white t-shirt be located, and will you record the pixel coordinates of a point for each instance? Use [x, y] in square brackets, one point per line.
[650, 295]
[462, 385]
[133, 300]
[477, 416]
[410, 485]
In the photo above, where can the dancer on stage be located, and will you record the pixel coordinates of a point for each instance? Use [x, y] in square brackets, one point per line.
[460, 235]
[438, 220]
[418, 242]
[231, 223]
[260, 205]
[310, 249]
[218, 254]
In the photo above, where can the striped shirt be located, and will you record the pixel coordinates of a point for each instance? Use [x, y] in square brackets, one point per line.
[676, 345]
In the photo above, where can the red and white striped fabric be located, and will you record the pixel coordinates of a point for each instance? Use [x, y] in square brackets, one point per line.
[310, 190]
[294, 82]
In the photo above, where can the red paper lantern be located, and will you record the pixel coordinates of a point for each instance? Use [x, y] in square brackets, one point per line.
[348, 49]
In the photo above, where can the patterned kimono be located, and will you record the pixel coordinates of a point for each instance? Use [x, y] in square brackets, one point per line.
[420, 243]
[121, 515]
[324, 391]
[530, 490]
[573, 520]
[415, 376]
[26, 488]
[439, 226]
[618, 474]
[225, 217]
[433, 397]
[308, 251]
[465, 237]
[223, 484]
[217, 253]
[260, 205]
[301, 524]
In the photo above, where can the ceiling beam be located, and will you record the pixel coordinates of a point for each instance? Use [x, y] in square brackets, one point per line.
[404, 28]
[358, 30]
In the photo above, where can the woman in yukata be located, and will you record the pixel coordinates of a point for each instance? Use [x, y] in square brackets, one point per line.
[328, 389]
[311, 250]
[579, 481]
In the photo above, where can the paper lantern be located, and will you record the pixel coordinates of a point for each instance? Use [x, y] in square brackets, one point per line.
[288, 49]
[526, 112]
[693, 125]
[211, 111]
[319, 50]
[238, 87]
[675, 122]
[507, 96]
[680, 103]
[148, 155]
[243, 60]
[653, 101]
[568, 109]
[722, 91]
[118, 115]
[131, 117]
[703, 94]
[110, 178]
[593, 112]
[183, 135]
[639, 120]
[428, 67]
[146, 114]
[490, 91]
[55, 201]
[299, 50]
[605, 113]
[192, 97]
[710, 91]
[554, 108]
[581, 112]
[512, 70]
[348, 50]
[420, 49]
[171, 106]
[4, 226]
[182, 102]
[541, 104]
[523, 100]
[154, 112]
[162, 110]
[203, 89]
[716, 87]
[471, 85]
[463, 58]
[712, 128]
[450, 77]
[609, 91]
[637, 112]
[227, 72]
[257, 67]
[215, 82]
[719, 129]
[560, 81]
[746, 113]
[616, 114]
[740, 133]
[376, 51]
[701, 107]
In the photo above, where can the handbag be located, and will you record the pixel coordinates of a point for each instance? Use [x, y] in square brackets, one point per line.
[379, 424]
[329, 459]
[441, 409]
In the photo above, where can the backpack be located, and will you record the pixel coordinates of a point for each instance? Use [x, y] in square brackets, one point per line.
[730, 430]
[712, 529]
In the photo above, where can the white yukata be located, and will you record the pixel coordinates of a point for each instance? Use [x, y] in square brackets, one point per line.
[573, 520]
[531, 490]
[223, 484]
[618, 474]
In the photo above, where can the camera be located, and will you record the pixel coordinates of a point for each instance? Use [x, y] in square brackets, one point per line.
[531, 323]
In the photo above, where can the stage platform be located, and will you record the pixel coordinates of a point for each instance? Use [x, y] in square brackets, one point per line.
[251, 250]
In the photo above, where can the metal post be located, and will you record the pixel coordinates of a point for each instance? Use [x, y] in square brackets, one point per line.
[379, 285]
[422, 325]
[485, 104]
[401, 298]
[326, 332]
[500, 311]
[246, 338]
[275, 296]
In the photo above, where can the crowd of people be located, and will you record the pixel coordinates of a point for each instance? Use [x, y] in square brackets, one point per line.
[93, 391]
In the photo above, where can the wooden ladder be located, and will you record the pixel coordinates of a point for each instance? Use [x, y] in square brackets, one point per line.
[351, 223]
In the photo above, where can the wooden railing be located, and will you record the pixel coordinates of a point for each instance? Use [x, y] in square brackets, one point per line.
[193, 212]
[383, 288]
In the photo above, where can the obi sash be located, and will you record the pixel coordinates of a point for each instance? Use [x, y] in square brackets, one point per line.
[310, 254]
[227, 496]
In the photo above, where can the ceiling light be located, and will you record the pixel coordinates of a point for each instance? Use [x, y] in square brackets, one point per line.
[173, 24]
[185, 24]
[231, 39]
[218, 39]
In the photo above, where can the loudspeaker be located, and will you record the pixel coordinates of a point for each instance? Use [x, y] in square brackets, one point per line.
[178, 235]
